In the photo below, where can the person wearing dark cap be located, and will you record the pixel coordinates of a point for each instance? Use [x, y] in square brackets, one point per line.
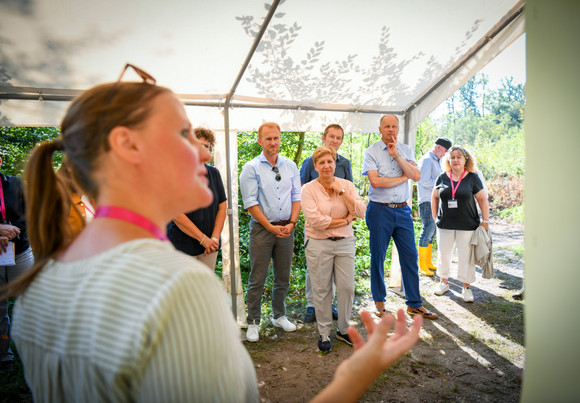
[430, 168]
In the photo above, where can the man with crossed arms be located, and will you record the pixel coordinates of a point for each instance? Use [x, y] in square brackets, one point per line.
[389, 164]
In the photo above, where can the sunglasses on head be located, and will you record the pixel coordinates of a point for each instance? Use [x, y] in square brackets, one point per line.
[147, 78]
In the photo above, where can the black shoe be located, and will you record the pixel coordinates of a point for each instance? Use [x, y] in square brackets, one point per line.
[310, 315]
[324, 346]
[343, 337]
[334, 313]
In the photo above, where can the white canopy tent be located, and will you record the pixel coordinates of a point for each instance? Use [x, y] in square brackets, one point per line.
[236, 64]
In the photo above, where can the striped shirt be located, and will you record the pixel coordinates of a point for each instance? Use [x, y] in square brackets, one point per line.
[139, 322]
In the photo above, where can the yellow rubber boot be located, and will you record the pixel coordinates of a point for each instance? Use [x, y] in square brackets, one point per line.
[423, 268]
[430, 258]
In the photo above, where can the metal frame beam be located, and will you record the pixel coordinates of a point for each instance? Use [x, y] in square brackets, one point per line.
[227, 104]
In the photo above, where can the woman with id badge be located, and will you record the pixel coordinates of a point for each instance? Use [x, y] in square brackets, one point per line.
[455, 212]
[15, 252]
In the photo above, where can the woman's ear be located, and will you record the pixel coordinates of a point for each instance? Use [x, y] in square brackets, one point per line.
[125, 143]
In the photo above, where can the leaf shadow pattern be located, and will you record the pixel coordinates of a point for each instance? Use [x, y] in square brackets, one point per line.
[275, 74]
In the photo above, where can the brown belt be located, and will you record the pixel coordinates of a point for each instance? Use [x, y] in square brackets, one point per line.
[283, 222]
[394, 205]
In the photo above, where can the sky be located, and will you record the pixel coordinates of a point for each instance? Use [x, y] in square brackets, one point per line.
[510, 62]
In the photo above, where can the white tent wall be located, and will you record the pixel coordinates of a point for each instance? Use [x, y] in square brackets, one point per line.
[376, 56]
[45, 113]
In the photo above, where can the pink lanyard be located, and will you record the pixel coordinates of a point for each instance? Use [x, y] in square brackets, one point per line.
[454, 189]
[123, 214]
[2, 205]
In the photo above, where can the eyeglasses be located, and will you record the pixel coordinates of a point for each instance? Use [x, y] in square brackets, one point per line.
[208, 147]
[147, 78]
[278, 177]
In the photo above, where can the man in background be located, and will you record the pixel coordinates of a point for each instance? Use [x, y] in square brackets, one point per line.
[389, 164]
[270, 186]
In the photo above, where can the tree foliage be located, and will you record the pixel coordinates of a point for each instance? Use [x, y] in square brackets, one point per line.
[17, 142]
[487, 122]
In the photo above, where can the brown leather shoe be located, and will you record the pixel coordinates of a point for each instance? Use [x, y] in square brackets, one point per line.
[421, 311]
[380, 308]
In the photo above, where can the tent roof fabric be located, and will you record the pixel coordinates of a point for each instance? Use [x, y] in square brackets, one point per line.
[317, 62]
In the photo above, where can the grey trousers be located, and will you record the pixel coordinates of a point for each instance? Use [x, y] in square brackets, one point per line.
[327, 260]
[24, 261]
[265, 246]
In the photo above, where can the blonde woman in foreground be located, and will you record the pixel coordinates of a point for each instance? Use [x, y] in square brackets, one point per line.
[119, 314]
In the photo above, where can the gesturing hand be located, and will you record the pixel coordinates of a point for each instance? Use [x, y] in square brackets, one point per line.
[373, 357]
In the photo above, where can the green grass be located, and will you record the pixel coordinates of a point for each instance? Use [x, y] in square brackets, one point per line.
[514, 214]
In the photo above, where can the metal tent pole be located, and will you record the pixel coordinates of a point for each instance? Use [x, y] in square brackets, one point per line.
[257, 40]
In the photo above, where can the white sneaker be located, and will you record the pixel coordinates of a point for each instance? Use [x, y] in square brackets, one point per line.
[252, 333]
[284, 323]
[467, 295]
[441, 288]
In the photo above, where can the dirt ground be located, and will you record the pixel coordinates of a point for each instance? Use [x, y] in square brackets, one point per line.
[472, 352]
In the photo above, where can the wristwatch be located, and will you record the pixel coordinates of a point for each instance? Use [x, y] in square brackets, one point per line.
[341, 191]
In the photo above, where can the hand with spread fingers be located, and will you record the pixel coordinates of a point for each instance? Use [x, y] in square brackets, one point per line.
[380, 352]
[372, 358]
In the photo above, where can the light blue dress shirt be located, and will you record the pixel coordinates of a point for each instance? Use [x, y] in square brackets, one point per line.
[430, 167]
[377, 158]
[259, 187]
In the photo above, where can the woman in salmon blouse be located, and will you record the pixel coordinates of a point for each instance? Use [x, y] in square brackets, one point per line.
[329, 205]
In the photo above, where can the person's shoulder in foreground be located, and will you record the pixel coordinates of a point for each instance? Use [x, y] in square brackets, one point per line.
[163, 317]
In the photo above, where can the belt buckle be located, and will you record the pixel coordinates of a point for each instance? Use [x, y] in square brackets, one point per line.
[392, 205]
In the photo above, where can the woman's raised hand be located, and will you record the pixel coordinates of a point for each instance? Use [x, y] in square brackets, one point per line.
[354, 375]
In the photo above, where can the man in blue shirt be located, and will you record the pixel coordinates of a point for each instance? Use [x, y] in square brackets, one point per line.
[270, 186]
[430, 167]
[332, 137]
[389, 165]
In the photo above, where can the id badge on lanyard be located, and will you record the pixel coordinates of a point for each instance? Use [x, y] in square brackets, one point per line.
[453, 203]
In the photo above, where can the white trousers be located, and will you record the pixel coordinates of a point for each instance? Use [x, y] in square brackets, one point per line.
[209, 260]
[446, 238]
[327, 259]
